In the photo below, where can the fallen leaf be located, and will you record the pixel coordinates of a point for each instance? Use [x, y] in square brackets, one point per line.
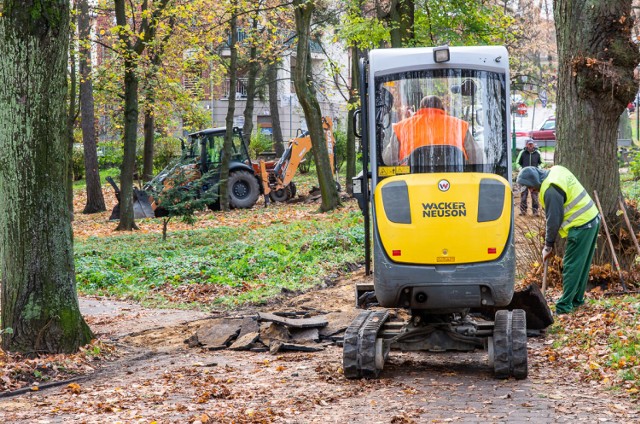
[74, 388]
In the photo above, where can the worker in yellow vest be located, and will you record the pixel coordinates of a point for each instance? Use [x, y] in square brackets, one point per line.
[572, 214]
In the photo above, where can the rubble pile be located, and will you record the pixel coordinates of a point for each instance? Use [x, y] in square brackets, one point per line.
[273, 332]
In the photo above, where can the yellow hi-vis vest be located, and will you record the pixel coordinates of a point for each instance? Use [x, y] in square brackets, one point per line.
[578, 207]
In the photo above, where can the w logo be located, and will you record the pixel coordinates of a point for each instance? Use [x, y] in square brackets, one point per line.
[443, 185]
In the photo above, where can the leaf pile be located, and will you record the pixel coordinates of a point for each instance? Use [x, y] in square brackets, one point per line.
[602, 276]
[601, 341]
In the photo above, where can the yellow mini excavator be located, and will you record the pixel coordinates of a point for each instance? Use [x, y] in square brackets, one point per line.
[436, 189]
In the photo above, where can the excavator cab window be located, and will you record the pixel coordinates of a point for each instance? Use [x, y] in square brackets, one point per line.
[215, 149]
[215, 144]
[442, 120]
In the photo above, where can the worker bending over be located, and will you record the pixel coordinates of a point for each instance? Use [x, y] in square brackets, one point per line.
[572, 214]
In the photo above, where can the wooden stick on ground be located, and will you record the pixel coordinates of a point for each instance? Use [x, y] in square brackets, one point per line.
[544, 275]
[613, 250]
[626, 219]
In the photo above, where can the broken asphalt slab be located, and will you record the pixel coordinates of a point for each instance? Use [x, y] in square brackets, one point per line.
[272, 331]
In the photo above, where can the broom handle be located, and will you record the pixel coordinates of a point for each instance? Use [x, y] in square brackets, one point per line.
[544, 275]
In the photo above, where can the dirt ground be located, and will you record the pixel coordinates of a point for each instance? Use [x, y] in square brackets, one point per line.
[159, 379]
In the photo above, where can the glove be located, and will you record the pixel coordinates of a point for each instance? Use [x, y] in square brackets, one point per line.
[546, 252]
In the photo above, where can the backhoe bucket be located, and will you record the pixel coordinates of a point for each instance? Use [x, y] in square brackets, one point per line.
[535, 306]
[141, 204]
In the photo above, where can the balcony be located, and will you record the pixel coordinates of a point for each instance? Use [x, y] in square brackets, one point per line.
[241, 88]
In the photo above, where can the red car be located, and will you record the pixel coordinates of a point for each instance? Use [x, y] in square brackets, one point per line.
[546, 135]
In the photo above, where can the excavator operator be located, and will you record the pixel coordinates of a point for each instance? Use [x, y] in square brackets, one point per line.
[430, 126]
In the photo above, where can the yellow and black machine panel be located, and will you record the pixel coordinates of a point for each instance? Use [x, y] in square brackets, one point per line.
[443, 218]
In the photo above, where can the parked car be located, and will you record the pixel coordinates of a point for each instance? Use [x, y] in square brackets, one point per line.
[521, 138]
[546, 135]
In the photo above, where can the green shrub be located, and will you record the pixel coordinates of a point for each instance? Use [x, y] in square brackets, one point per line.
[166, 149]
[340, 149]
[634, 166]
[260, 143]
[77, 159]
[111, 153]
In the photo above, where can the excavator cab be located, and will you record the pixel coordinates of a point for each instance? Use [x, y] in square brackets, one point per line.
[436, 190]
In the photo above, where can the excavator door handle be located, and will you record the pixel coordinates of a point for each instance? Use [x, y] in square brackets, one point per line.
[356, 122]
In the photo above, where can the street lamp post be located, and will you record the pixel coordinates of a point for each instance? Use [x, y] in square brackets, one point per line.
[533, 114]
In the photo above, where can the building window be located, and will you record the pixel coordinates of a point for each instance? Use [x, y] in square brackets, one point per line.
[241, 88]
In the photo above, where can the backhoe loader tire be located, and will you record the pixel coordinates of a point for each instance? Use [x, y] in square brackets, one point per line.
[243, 190]
[160, 212]
[281, 195]
[294, 190]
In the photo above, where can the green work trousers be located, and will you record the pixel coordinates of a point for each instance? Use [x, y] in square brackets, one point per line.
[581, 244]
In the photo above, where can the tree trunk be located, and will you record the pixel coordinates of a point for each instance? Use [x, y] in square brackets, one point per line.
[71, 117]
[39, 300]
[231, 108]
[276, 128]
[127, 222]
[165, 225]
[401, 18]
[149, 138]
[351, 138]
[149, 112]
[305, 90]
[95, 199]
[252, 75]
[596, 62]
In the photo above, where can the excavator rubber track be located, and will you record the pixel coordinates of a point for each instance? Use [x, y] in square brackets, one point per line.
[359, 352]
[510, 344]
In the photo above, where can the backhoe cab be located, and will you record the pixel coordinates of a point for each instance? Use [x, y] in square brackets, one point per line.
[438, 195]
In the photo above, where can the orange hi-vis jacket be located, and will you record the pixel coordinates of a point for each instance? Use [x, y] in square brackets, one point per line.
[429, 127]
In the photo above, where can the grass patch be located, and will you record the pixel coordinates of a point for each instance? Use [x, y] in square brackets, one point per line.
[104, 173]
[245, 264]
[630, 187]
